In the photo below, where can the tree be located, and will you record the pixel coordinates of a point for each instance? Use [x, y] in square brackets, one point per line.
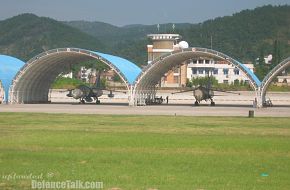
[188, 83]
[204, 81]
[276, 54]
[116, 78]
[261, 69]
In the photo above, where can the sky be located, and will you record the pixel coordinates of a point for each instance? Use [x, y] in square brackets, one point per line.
[126, 12]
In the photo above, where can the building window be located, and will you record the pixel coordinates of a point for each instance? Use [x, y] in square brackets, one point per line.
[200, 61]
[206, 61]
[237, 71]
[200, 71]
[194, 61]
[226, 81]
[175, 79]
[206, 71]
[215, 71]
[194, 71]
[226, 71]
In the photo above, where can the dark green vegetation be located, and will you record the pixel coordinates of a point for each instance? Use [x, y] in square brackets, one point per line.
[213, 83]
[147, 152]
[128, 41]
[235, 86]
[245, 36]
[27, 35]
[66, 83]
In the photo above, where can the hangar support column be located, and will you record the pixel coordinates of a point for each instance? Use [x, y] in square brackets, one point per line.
[259, 97]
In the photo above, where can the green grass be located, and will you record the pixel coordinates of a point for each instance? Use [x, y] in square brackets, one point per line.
[147, 152]
[66, 83]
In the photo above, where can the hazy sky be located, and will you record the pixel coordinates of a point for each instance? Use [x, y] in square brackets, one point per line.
[124, 12]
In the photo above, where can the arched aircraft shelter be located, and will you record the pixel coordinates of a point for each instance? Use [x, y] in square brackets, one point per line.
[32, 83]
[144, 87]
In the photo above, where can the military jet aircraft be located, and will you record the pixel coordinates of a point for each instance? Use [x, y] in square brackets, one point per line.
[89, 94]
[205, 93]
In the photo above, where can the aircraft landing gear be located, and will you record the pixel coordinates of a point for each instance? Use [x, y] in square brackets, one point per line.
[196, 103]
[212, 103]
[82, 102]
[98, 101]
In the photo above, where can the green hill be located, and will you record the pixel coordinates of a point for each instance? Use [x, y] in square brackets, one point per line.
[128, 41]
[245, 36]
[27, 35]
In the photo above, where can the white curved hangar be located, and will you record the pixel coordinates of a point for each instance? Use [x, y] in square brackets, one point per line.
[144, 88]
[271, 76]
[32, 83]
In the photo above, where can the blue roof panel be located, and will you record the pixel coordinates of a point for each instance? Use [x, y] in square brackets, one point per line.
[129, 69]
[254, 77]
[9, 66]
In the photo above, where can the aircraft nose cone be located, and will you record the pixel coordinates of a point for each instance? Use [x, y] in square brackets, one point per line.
[77, 93]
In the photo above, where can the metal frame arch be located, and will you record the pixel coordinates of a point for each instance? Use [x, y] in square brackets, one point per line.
[254, 81]
[155, 70]
[46, 61]
[271, 75]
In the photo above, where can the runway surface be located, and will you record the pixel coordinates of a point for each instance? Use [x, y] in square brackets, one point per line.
[181, 104]
[124, 109]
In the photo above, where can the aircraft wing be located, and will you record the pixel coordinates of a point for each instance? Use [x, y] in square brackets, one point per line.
[114, 91]
[224, 91]
[183, 91]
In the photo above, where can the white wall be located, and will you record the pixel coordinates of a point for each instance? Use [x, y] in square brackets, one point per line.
[199, 70]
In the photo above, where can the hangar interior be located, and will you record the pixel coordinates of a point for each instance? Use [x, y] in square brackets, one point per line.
[145, 86]
[32, 83]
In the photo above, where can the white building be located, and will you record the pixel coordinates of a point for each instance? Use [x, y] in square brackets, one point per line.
[68, 75]
[284, 79]
[86, 75]
[268, 59]
[221, 70]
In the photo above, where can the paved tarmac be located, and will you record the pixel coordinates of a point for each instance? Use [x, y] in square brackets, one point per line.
[181, 104]
[124, 109]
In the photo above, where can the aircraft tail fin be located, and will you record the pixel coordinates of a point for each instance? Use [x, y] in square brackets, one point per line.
[98, 80]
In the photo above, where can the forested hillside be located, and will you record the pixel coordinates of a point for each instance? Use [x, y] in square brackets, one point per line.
[27, 35]
[244, 36]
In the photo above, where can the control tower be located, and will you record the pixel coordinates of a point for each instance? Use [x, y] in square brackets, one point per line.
[163, 44]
